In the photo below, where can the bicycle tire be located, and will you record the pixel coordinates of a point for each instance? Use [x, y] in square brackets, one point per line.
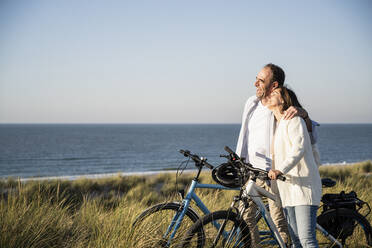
[347, 226]
[153, 222]
[210, 231]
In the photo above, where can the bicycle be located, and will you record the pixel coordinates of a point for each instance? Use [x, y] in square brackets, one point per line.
[339, 217]
[233, 231]
[166, 223]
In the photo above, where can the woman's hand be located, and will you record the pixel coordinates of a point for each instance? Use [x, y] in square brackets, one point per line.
[273, 174]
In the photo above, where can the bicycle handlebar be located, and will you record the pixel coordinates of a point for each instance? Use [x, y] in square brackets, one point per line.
[230, 151]
[249, 166]
[196, 158]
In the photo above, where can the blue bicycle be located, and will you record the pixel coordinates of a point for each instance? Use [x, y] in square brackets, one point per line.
[164, 224]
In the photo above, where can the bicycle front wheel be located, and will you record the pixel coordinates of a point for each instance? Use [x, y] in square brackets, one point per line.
[153, 227]
[221, 229]
[346, 225]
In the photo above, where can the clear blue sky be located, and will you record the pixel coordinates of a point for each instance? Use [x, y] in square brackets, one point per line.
[180, 61]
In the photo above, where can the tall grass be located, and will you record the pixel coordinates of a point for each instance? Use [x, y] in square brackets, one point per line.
[100, 212]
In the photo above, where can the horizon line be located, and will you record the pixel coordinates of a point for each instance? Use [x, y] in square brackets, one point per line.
[154, 123]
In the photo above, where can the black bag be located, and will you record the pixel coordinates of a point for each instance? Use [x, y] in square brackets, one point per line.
[341, 227]
[341, 200]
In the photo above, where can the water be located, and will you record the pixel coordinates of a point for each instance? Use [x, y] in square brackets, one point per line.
[49, 150]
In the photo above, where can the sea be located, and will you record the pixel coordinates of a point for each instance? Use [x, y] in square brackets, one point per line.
[71, 151]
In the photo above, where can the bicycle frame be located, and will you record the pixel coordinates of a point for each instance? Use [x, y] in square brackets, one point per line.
[177, 219]
[328, 235]
[255, 193]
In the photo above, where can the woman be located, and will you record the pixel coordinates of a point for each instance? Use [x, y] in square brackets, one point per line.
[293, 157]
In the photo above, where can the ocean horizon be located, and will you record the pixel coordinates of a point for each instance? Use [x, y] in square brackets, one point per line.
[72, 150]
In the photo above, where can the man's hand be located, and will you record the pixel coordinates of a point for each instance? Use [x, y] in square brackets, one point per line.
[273, 174]
[294, 111]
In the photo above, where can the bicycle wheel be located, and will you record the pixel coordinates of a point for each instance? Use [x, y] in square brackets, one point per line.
[152, 224]
[347, 226]
[234, 232]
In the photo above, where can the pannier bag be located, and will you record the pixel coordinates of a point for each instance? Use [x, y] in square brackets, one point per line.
[341, 227]
[341, 200]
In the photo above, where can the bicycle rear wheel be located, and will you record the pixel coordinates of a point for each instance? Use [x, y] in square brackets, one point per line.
[234, 232]
[151, 227]
[347, 226]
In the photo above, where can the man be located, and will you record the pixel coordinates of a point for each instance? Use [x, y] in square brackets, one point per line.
[254, 143]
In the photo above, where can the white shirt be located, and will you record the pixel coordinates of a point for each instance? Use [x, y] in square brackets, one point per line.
[259, 137]
[250, 107]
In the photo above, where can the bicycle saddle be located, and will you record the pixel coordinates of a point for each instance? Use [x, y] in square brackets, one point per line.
[328, 182]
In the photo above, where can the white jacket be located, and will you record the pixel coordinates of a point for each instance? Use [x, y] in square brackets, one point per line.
[293, 156]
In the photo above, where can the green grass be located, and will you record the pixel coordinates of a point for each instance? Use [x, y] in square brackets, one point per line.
[99, 212]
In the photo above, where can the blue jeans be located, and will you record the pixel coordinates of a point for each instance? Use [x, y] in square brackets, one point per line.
[302, 224]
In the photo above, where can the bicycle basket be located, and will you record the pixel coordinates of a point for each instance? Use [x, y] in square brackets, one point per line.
[229, 175]
[339, 226]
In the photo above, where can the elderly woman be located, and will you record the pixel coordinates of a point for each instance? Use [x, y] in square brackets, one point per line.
[293, 157]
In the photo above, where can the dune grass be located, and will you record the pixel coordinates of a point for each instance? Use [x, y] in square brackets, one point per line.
[99, 212]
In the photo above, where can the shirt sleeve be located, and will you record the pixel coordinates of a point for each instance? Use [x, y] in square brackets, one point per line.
[296, 128]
